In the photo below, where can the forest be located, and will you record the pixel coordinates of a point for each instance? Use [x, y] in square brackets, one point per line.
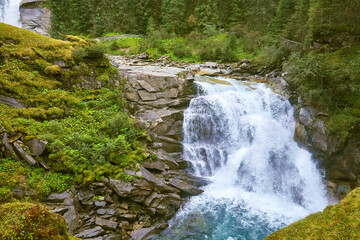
[315, 41]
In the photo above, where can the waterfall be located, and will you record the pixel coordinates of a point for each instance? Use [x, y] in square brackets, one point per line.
[10, 12]
[240, 136]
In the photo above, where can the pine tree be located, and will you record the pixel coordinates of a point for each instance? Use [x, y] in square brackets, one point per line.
[173, 15]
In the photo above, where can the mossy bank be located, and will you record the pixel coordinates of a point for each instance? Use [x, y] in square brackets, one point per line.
[66, 94]
[335, 222]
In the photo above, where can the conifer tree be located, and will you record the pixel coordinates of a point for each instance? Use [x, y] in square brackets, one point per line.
[173, 15]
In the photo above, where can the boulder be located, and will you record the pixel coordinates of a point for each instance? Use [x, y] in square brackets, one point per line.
[36, 146]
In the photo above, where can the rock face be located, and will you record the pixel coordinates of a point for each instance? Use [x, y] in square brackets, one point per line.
[340, 159]
[35, 17]
[116, 209]
[157, 96]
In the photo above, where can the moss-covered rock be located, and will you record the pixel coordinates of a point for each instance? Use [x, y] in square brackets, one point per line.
[341, 221]
[22, 221]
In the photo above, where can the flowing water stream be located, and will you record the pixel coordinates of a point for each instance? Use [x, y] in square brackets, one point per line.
[10, 12]
[240, 136]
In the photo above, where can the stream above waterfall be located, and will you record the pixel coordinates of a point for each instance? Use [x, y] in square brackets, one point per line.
[10, 12]
[239, 135]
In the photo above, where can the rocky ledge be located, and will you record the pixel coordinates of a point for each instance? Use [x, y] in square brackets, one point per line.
[117, 209]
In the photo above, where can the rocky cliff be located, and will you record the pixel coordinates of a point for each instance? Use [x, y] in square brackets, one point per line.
[35, 17]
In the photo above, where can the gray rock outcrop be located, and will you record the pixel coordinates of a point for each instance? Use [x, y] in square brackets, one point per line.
[35, 17]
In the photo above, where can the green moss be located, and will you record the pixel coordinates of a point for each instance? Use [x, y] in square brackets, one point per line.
[341, 221]
[25, 221]
[53, 70]
[89, 134]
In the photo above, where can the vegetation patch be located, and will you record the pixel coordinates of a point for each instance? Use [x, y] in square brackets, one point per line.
[72, 102]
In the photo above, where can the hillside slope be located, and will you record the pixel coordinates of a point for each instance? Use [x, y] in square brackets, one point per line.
[66, 95]
[340, 221]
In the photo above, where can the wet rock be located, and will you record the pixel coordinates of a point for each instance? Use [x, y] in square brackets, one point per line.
[89, 233]
[106, 224]
[157, 182]
[305, 117]
[146, 233]
[300, 132]
[343, 190]
[209, 71]
[185, 187]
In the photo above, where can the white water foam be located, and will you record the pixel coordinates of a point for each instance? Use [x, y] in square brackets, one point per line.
[10, 12]
[240, 136]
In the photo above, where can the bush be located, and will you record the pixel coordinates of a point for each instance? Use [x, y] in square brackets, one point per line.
[92, 51]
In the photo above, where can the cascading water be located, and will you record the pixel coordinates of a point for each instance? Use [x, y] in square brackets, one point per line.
[10, 12]
[240, 136]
